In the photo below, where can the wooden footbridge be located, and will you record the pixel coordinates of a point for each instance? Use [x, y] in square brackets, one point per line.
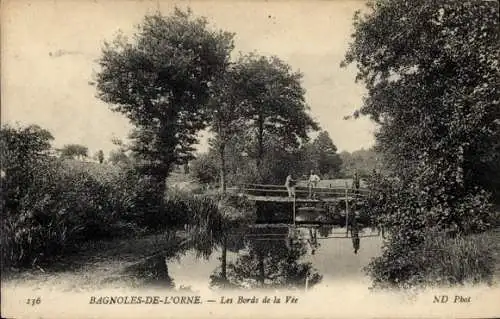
[336, 206]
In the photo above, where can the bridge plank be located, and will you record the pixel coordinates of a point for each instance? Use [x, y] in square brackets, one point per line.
[283, 199]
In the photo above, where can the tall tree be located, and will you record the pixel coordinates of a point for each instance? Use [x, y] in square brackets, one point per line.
[227, 115]
[160, 82]
[274, 101]
[431, 70]
[328, 161]
[365, 161]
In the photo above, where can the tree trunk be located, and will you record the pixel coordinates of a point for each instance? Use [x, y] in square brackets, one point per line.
[261, 269]
[222, 149]
[224, 260]
[159, 187]
[260, 146]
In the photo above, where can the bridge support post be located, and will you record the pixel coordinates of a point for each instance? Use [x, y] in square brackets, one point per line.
[346, 211]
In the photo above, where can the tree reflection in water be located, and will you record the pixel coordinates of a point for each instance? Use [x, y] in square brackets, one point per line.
[267, 263]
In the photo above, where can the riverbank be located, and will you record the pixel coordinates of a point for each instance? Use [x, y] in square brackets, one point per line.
[114, 264]
[98, 265]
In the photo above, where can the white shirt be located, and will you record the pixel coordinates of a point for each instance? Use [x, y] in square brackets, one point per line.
[314, 178]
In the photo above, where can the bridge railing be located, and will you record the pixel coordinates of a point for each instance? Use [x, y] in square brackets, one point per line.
[300, 191]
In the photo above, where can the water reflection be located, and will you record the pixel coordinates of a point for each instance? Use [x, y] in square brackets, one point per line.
[271, 260]
[152, 271]
[256, 256]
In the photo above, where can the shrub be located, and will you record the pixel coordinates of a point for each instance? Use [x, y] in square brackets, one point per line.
[58, 210]
[51, 206]
[438, 261]
[422, 212]
[205, 169]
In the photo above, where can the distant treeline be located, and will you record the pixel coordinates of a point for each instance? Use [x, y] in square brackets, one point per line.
[319, 155]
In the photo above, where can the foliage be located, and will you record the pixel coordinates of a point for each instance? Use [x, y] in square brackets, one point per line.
[226, 114]
[50, 208]
[256, 98]
[431, 70]
[160, 82]
[100, 156]
[119, 157]
[74, 150]
[274, 102]
[278, 160]
[204, 168]
[410, 218]
[438, 261]
[403, 208]
[22, 149]
[321, 156]
[364, 161]
[271, 264]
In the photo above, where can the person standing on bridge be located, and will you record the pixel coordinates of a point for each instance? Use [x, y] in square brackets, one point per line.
[356, 181]
[290, 185]
[313, 182]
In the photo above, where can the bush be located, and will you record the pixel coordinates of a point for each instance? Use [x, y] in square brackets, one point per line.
[423, 216]
[57, 211]
[205, 169]
[48, 205]
[438, 261]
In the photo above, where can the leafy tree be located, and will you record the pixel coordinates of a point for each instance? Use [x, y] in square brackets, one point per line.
[328, 161]
[227, 115]
[119, 157]
[160, 82]
[365, 161]
[278, 160]
[433, 84]
[22, 151]
[321, 156]
[431, 69]
[74, 150]
[204, 168]
[100, 156]
[274, 101]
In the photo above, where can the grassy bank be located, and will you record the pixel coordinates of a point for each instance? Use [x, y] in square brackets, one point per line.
[100, 264]
[439, 261]
[63, 204]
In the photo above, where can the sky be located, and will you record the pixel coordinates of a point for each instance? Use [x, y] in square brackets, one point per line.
[50, 48]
